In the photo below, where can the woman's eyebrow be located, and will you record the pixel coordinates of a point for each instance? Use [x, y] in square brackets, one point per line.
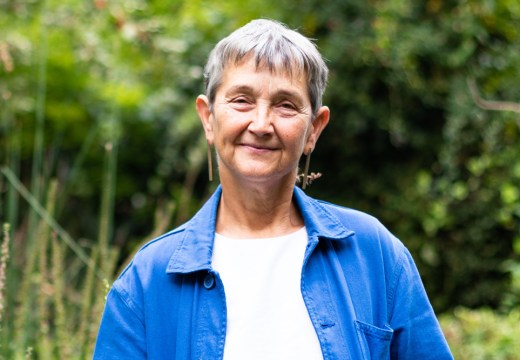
[246, 89]
[288, 94]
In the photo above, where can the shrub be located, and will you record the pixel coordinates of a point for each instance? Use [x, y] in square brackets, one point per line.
[482, 334]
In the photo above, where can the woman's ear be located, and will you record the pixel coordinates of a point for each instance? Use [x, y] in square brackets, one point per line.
[203, 109]
[318, 124]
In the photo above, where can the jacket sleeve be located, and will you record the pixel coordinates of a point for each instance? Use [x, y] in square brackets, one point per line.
[121, 333]
[417, 333]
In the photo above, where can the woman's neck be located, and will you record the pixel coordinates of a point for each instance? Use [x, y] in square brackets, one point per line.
[257, 211]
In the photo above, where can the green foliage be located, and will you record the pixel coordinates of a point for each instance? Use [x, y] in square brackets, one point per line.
[482, 334]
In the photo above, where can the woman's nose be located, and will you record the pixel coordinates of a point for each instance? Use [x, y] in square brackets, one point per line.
[261, 121]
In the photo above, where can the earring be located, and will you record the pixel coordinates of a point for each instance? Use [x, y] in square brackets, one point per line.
[210, 163]
[306, 170]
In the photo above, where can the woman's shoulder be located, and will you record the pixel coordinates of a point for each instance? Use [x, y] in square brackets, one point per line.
[369, 231]
[163, 243]
[182, 249]
[155, 254]
[353, 219]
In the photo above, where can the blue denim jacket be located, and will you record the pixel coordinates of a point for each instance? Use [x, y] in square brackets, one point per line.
[363, 292]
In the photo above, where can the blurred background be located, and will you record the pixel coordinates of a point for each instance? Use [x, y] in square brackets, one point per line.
[101, 149]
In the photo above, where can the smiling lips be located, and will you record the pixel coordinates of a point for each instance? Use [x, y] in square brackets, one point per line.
[258, 147]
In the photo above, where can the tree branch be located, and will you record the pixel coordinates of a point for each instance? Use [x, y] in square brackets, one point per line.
[491, 105]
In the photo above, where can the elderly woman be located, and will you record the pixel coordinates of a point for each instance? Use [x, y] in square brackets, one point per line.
[263, 271]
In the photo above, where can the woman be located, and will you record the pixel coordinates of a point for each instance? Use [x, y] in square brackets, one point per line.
[263, 271]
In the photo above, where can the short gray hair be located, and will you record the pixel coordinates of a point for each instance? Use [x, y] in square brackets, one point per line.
[274, 46]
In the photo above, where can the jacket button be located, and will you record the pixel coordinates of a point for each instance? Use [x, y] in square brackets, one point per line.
[209, 281]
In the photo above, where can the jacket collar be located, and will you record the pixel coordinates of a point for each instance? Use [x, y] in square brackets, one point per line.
[195, 250]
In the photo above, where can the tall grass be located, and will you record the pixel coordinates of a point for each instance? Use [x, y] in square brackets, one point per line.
[4, 257]
[54, 303]
[53, 288]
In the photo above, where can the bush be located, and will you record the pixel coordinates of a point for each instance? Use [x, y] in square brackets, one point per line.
[482, 334]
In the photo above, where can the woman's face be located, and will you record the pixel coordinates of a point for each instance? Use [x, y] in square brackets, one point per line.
[261, 122]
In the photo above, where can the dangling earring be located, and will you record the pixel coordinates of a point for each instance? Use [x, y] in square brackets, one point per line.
[306, 170]
[210, 163]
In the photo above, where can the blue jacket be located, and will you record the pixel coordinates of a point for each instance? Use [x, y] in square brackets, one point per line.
[361, 287]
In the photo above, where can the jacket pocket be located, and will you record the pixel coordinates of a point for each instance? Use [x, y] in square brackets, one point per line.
[374, 341]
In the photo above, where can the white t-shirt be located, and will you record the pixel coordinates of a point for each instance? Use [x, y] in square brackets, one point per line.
[266, 315]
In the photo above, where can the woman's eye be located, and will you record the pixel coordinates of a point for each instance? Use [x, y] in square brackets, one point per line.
[241, 103]
[240, 100]
[288, 106]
